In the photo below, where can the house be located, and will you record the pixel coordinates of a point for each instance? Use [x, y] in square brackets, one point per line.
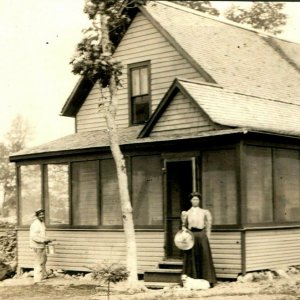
[206, 105]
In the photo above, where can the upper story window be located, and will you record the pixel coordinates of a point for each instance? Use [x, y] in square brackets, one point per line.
[139, 92]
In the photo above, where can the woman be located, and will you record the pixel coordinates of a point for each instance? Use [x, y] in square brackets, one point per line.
[197, 262]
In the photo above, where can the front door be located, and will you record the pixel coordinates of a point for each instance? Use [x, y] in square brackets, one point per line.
[179, 184]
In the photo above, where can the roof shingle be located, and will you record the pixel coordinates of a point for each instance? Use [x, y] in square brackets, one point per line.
[236, 58]
[226, 107]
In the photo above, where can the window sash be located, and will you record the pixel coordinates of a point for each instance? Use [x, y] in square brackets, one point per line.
[139, 92]
[139, 81]
[140, 109]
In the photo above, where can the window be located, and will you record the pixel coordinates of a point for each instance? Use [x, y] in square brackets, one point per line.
[147, 190]
[219, 186]
[272, 185]
[85, 193]
[58, 194]
[259, 185]
[287, 185]
[30, 192]
[111, 207]
[139, 91]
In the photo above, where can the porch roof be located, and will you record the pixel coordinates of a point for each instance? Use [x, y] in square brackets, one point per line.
[98, 139]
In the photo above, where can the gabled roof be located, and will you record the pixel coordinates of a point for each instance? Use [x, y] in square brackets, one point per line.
[234, 56]
[77, 97]
[229, 108]
[244, 60]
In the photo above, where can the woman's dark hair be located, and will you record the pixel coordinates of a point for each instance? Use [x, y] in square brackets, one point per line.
[195, 194]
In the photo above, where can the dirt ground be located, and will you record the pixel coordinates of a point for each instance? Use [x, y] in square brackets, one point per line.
[55, 288]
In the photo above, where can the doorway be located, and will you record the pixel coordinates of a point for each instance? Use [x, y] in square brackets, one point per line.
[180, 182]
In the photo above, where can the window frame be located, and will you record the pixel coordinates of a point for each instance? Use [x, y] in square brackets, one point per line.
[131, 110]
[275, 220]
[131, 183]
[19, 203]
[98, 198]
[45, 194]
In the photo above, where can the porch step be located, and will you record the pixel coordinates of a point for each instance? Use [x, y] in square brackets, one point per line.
[176, 265]
[163, 275]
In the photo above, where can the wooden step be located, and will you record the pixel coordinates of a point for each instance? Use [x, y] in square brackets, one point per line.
[163, 275]
[177, 265]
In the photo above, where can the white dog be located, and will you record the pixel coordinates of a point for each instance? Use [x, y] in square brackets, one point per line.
[194, 284]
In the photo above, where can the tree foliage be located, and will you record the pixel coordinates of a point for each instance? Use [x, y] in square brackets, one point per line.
[266, 16]
[203, 6]
[14, 140]
[90, 60]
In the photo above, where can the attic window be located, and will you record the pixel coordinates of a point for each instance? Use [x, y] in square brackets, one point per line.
[139, 92]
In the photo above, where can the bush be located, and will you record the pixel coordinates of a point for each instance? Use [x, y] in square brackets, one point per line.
[109, 272]
[8, 241]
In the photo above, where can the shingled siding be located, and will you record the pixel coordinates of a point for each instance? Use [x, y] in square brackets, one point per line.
[182, 116]
[78, 250]
[141, 43]
[269, 249]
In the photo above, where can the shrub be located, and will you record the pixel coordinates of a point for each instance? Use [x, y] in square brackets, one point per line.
[109, 272]
[8, 241]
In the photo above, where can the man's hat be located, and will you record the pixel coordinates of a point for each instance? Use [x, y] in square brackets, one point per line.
[184, 240]
[37, 212]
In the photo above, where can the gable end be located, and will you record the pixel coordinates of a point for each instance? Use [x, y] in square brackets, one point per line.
[178, 113]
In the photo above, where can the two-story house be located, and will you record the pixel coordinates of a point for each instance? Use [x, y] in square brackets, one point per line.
[206, 105]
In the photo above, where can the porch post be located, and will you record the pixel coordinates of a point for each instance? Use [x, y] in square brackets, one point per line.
[241, 195]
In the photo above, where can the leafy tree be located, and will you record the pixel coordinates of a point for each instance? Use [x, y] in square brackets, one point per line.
[203, 6]
[94, 60]
[14, 140]
[267, 16]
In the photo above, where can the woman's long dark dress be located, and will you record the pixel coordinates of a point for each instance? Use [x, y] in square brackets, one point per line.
[198, 262]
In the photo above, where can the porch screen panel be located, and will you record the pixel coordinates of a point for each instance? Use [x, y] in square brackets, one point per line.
[147, 192]
[259, 185]
[111, 207]
[58, 194]
[30, 192]
[286, 185]
[219, 185]
[84, 193]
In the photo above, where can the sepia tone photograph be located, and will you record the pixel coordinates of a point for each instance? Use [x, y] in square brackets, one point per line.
[149, 150]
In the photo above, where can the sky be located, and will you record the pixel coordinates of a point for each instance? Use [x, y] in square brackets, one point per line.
[38, 39]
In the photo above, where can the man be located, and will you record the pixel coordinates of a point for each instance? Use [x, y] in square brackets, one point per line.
[38, 242]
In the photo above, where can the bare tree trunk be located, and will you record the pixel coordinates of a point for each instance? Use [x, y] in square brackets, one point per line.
[110, 116]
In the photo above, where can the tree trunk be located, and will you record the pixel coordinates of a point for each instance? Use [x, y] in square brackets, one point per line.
[110, 115]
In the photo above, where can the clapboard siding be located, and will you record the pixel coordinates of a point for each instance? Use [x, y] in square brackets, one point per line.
[181, 116]
[226, 252]
[142, 42]
[268, 249]
[78, 250]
